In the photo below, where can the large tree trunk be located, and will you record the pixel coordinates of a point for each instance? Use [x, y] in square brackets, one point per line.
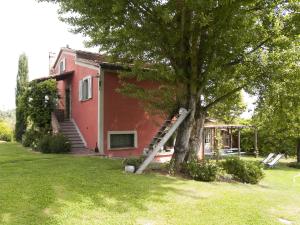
[197, 136]
[298, 150]
[183, 136]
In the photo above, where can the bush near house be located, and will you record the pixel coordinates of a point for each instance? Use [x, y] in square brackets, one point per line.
[54, 144]
[31, 138]
[243, 171]
[134, 161]
[5, 131]
[203, 170]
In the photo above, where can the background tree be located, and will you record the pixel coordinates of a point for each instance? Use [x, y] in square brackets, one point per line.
[22, 83]
[201, 52]
[278, 110]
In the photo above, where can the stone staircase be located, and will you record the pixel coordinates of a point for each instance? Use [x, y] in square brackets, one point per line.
[68, 129]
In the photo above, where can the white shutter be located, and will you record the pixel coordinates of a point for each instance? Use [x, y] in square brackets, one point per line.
[90, 87]
[80, 90]
[64, 64]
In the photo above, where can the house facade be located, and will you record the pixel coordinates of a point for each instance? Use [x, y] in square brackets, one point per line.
[94, 115]
[87, 86]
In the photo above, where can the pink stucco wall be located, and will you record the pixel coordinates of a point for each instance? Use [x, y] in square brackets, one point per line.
[84, 113]
[122, 113]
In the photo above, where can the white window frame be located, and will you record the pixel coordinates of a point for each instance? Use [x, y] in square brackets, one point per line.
[122, 132]
[89, 80]
[207, 138]
[63, 61]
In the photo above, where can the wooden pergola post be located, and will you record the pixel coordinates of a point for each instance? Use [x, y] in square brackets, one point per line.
[230, 138]
[203, 144]
[239, 142]
[255, 142]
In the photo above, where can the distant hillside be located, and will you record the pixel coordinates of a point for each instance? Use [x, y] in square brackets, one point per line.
[9, 116]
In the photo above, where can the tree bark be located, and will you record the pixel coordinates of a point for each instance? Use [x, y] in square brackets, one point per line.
[298, 150]
[197, 136]
[183, 136]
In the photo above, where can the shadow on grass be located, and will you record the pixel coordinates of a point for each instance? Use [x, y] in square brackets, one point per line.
[44, 187]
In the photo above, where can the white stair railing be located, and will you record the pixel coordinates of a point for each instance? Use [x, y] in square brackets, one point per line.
[183, 113]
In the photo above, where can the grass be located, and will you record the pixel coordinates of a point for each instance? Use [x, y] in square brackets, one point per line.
[65, 189]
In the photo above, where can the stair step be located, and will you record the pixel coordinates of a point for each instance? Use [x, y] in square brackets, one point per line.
[169, 127]
[77, 146]
[69, 126]
[70, 132]
[73, 137]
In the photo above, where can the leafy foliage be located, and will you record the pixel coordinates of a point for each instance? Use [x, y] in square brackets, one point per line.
[6, 132]
[40, 100]
[22, 83]
[244, 171]
[278, 110]
[8, 116]
[203, 170]
[54, 144]
[31, 138]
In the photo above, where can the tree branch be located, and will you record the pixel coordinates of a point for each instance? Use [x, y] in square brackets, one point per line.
[219, 99]
[241, 57]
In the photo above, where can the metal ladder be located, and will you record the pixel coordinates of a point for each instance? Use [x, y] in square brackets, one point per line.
[162, 136]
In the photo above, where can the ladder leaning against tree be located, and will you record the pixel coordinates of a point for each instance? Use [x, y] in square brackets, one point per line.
[163, 135]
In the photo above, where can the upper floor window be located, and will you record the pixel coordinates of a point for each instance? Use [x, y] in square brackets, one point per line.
[62, 65]
[85, 88]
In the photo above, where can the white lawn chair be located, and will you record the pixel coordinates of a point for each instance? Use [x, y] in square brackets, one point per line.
[269, 157]
[274, 161]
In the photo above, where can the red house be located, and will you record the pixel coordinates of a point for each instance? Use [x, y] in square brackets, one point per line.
[93, 114]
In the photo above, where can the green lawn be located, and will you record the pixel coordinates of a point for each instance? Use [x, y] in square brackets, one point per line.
[65, 189]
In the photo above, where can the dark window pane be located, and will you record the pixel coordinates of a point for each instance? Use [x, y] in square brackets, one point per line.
[61, 67]
[122, 141]
[85, 89]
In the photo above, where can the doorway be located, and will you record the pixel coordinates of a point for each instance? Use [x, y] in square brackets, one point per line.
[68, 103]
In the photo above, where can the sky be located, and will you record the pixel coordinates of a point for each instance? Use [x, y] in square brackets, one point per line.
[34, 29]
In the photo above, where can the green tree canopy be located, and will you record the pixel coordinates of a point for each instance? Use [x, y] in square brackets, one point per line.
[278, 109]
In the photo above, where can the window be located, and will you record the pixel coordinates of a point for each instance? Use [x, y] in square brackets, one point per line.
[85, 88]
[122, 139]
[207, 137]
[62, 65]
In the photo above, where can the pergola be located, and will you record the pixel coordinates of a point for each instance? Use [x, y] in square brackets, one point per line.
[238, 128]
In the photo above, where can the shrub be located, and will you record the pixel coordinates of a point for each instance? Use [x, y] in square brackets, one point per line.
[59, 144]
[31, 138]
[202, 170]
[134, 161]
[5, 132]
[54, 144]
[294, 165]
[244, 171]
[44, 144]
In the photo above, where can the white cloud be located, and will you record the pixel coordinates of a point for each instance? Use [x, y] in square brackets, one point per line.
[30, 27]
